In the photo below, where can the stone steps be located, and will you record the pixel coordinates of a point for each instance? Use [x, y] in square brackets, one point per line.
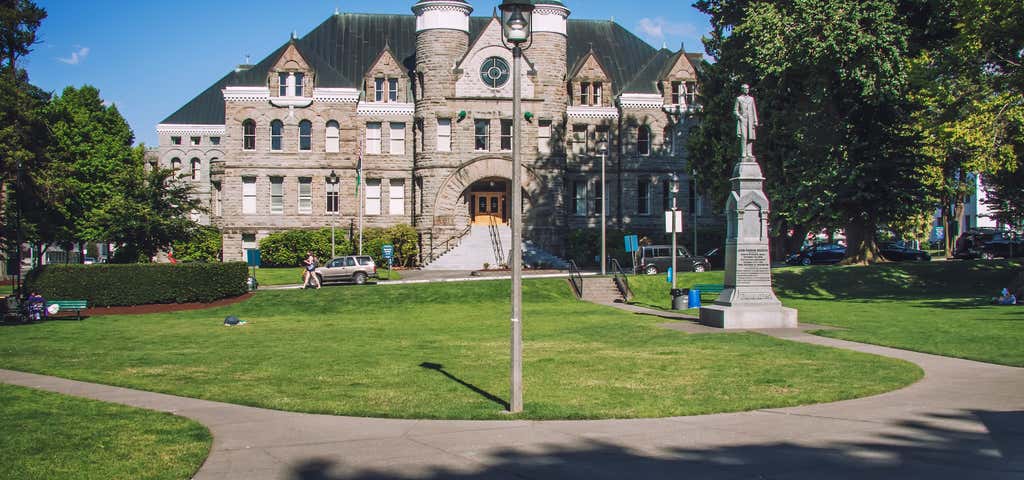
[601, 290]
[478, 248]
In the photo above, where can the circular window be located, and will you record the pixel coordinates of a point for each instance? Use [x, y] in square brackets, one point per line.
[495, 72]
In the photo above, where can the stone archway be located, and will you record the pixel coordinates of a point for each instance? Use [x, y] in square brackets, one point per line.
[449, 202]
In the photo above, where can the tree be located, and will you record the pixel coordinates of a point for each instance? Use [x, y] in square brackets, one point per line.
[205, 245]
[831, 83]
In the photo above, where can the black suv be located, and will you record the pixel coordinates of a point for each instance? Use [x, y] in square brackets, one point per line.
[658, 258]
[988, 243]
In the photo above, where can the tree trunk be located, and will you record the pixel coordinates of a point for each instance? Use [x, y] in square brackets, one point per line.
[861, 248]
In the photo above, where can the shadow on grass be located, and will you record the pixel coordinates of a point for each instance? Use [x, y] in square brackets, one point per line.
[931, 446]
[483, 393]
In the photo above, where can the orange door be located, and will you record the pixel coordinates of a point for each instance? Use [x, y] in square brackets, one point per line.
[488, 208]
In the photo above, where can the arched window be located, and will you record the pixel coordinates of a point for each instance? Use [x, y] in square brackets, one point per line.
[305, 135]
[176, 165]
[643, 141]
[276, 135]
[196, 169]
[249, 135]
[333, 137]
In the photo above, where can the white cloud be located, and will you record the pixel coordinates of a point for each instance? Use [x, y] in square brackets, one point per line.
[78, 56]
[658, 28]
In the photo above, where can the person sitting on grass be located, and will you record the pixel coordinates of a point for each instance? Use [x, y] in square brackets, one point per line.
[1005, 298]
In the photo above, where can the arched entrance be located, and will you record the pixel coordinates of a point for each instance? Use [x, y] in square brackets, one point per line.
[460, 190]
[488, 201]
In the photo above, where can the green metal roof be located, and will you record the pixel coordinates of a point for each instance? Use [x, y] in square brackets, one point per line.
[343, 48]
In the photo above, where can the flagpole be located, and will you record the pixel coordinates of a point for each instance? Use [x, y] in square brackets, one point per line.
[359, 195]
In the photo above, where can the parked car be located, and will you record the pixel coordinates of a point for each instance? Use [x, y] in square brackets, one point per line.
[824, 253]
[895, 252]
[658, 258]
[89, 260]
[352, 268]
[716, 258]
[988, 243]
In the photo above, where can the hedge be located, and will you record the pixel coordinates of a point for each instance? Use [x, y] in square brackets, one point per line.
[109, 285]
[288, 248]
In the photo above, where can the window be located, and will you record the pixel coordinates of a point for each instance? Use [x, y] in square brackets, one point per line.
[643, 196]
[283, 80]
[579, 139]
[333, 198]
[643, 142]
[276, 135]
[579, 198]
[396, 197]
[196, 169]
[392, 89]
[420, 195]
[176, 165]
[585, 93]
[676, 92]
[248, 242]
[305, 135]
[602, 140]
[373, 197]
[299, 77]
[444, 134]
[249, 135]
[333, 135]
[248, 195]
[483, 133]
[691, 93]
[306, 195]
[378, 89]
[397, 145]
[598, 192]
[175, 140]
[544, 136]
[598, 88]
[218, 202]
[195, 141]
[276, 195]
[214, 140]
[506, 135]
[373, 138]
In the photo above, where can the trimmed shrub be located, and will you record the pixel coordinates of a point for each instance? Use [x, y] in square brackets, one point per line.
[288, 248]
[403, 237]
[204, 246]
[139, 284]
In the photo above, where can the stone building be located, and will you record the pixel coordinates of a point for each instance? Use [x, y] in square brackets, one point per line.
[425, 101]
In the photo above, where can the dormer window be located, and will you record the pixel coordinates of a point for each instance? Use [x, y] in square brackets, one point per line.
[691, 93]
[585, 93]
[385, 89]
[393, 90]
[283, 79]
[299, 77]
[290, 84]
[598, 87]
[591, 93]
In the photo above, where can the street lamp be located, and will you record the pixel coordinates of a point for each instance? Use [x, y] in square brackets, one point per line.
[674, 188]
[603, 149]
[333, 180]
[516, 16]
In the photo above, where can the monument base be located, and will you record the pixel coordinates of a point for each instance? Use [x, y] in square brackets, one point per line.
[751, 317]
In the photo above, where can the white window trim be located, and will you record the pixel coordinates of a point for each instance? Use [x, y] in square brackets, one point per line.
[396, 196]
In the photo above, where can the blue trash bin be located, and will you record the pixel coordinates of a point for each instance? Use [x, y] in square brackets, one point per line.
[694, 299]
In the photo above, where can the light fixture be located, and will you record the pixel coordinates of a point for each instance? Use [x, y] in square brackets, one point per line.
[516, 20]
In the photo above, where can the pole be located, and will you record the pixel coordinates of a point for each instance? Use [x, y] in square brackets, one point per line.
[362, 194]
[695, 209]
[17, 234]
[604, 205]
[675, 271]
[515, 404]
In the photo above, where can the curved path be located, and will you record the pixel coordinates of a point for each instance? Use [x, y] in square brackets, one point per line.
[963, 420]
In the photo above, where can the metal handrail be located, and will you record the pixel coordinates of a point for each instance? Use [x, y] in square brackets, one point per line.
[621, 280]
[499, 255]
[457, 239]
[576, 279]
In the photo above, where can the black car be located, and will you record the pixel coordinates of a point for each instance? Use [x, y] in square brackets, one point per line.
[895, 252]
[988, 243]
[655, 259]
[825, 253]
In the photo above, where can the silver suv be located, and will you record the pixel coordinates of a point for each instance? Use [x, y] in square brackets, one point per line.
[355, 269]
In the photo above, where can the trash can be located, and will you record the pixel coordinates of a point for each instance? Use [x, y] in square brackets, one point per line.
[694, 300]
[678, 298]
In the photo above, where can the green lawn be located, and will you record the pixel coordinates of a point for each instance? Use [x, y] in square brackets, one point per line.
[293, 276]
[441, 351]
[47, 436]
[934, 307]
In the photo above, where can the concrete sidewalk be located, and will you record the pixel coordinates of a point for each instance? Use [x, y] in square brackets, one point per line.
[413, 277]
[963, 420]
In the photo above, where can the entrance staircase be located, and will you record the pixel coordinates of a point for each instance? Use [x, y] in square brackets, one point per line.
[601, 290]
[491, 244]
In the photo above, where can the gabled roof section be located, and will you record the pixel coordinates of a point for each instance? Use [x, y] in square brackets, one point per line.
[326, 75]
[646, 79]
[206, 109]
[574, 70]
[621, 53]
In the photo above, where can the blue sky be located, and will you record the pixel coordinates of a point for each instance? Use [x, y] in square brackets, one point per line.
[150, 57]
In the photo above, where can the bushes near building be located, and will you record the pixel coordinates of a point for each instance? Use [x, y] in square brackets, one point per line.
[204, 246]
[140, 284]
[288, 248]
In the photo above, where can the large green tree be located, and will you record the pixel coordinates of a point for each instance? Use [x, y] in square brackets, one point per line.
[831, 80]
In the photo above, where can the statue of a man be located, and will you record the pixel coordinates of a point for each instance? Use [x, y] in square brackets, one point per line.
[746, 122]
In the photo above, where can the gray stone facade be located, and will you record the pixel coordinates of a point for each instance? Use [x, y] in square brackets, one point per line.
[415, 84]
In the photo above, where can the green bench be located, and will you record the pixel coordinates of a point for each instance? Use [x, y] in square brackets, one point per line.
[76, 305]
[708, 288]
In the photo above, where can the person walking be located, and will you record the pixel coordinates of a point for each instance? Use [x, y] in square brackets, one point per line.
[310, 276]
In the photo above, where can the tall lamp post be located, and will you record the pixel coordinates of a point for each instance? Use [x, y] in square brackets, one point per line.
[516, 30]
[333, 209]
[695, 209]
[674, 189]
[604, 208]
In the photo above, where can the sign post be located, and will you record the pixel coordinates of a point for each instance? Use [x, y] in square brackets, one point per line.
[632, 246]
[388, 251]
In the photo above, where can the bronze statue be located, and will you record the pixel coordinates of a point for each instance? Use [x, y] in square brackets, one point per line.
[746, 123]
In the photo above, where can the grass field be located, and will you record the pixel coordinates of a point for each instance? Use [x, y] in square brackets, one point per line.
[293, 276]
[934, 307]
[47, 436]
[441, 351]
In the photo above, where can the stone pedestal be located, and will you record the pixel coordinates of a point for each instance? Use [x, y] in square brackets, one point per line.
[748, 300]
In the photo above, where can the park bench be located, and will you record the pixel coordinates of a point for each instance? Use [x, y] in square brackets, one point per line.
[708, 288]
[76, 305]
